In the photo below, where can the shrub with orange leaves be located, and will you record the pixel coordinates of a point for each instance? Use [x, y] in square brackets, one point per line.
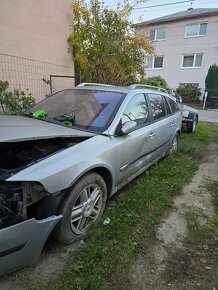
[104, 44]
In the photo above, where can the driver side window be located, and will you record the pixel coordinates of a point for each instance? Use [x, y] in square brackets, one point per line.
[136, 110]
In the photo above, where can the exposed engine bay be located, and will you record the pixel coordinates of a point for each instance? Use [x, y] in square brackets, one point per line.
[18, 200]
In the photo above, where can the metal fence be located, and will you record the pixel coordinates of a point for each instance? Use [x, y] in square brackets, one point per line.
[212, 98]
[37, 77]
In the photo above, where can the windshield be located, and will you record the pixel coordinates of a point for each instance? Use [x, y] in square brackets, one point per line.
[91, 110]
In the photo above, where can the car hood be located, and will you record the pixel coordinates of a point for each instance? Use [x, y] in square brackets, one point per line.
[22, 128]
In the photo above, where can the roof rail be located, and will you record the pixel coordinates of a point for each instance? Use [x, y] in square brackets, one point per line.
[140, 86]
[93, 84]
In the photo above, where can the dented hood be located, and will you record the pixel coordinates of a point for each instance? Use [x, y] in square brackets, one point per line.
[22, 128]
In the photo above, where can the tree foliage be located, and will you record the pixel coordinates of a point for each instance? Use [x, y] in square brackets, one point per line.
[189, 93]
[156, 81]
[104, 44]
[14, 102]
[211, 81]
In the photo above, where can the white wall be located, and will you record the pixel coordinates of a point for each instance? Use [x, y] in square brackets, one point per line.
[176, 45]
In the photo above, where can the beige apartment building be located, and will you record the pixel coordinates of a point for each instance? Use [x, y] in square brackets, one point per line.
[186, 45]
[34, 51]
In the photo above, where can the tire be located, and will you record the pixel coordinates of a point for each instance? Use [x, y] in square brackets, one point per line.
[193, 126]
[82, 206]
[174, 144]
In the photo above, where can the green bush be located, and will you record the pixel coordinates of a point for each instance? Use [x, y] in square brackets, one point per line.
[14, 102]
[211, 82]
[189, 93]
[156, 81]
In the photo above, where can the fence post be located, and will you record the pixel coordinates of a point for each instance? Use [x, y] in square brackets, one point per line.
[77, 76]
[50, 83]
[205, 99]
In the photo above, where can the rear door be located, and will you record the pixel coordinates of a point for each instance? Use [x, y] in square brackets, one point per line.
[163, 124]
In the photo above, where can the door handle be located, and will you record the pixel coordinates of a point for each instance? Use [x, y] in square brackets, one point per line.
[152, 135]
[172, 125]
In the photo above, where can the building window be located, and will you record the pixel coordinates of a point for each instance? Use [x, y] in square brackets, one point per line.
[192, 60]
[185, 84]
[158, 34]
[198, 29]
[154, 62]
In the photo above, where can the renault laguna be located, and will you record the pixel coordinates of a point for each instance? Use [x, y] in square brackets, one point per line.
[63, 158]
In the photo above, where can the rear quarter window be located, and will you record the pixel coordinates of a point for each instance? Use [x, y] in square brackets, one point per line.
[174, 106]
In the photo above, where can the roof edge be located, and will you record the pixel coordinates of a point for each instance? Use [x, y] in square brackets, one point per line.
[179, 18]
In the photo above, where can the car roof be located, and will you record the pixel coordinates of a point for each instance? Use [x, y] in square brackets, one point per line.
[113, 88]
[102, 87]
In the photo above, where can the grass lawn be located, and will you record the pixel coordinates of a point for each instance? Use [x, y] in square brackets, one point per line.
[106, 256]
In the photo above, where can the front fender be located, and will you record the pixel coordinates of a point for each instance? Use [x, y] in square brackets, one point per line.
[60, 171]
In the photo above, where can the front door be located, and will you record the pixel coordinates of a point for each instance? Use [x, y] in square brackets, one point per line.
[136, 147]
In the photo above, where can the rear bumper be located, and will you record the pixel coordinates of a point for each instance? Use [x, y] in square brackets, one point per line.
[21, 244]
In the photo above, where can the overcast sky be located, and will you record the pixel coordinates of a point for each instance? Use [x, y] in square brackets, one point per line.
[145, 12]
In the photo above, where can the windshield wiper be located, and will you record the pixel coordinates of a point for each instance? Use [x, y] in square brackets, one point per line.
[26, 115]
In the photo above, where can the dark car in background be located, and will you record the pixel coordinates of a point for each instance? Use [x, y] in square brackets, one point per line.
[189, 118]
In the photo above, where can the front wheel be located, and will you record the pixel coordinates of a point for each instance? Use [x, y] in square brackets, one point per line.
[174, 144]
[82, 206]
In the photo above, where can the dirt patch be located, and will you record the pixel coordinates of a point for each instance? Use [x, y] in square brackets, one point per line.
[52, 260]
[174, 259]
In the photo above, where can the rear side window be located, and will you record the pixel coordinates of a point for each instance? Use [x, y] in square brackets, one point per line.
[167, 107]
[137, 110]
[158, 106]
[174, 106]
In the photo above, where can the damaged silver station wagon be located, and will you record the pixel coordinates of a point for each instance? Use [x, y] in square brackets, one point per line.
[63, 158]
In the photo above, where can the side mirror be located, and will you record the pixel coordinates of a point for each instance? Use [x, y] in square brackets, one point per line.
[128, 127]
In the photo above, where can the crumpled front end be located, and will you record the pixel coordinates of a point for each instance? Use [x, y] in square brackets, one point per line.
[21, 244]
[24, 224]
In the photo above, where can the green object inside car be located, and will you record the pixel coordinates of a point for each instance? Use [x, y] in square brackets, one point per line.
[40, 114]
[68, 123]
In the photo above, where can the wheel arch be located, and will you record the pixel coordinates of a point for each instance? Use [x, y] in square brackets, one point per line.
[104, 172]
[49, 205]
[106, 175]
[192, 115]
[64, 232]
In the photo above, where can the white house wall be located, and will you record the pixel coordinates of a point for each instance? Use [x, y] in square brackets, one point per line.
[176, 45]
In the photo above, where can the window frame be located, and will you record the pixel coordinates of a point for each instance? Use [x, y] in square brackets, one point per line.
[153, 60]
[194, 60]
[155, 34]
[194, 84]
[199, 27]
